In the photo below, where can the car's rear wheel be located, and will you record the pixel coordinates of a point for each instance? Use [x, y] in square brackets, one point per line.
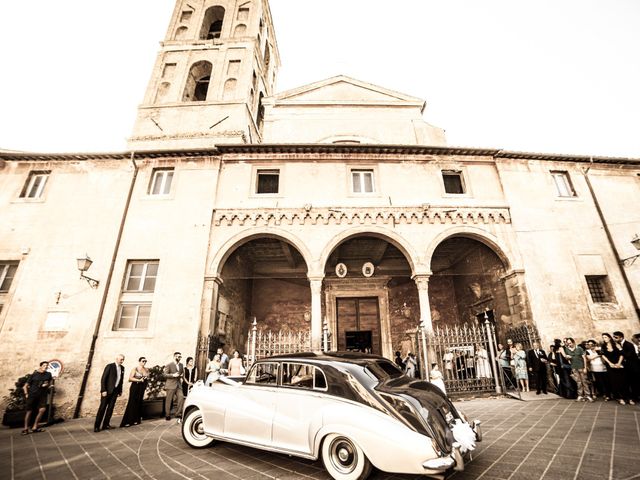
[193, 430]
[344, 459]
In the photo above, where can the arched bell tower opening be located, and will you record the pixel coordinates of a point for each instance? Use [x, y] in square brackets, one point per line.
[370, 300]
[467, 282]
[265, 278]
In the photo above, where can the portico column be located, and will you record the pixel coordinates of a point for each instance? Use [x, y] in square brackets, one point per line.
[316, 312]
[207, 320]
[422, 282]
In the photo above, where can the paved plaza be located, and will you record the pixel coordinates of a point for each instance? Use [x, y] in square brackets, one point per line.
[544, 439]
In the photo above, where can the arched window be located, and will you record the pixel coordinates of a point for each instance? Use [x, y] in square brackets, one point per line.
[230, 89]
[197, 82]
[163, 91]
[267, 58]
[212, 23]
[240, 30]
[260, 116]
[181, 33]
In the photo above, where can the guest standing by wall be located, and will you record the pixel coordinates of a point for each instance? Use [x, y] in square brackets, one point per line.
[138, 379]
[173, 372]
[190, 376]
[537, 362]
[36, 390]
[110, 390]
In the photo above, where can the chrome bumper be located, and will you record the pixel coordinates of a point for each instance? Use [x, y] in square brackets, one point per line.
[455, 459]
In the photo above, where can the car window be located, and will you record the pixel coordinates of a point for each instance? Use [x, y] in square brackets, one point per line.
[303, 376]
[263, 374]
[383, 369]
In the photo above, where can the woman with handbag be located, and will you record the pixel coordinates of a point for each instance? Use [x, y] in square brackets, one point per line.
[236, 367]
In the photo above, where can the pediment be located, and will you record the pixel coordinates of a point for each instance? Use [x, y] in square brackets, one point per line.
[343, 89]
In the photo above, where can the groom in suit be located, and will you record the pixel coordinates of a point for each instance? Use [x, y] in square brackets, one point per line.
[173, 373]
[110, 390]
[537, 361]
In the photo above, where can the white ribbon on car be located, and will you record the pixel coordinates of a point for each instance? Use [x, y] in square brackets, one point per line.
[464, 435]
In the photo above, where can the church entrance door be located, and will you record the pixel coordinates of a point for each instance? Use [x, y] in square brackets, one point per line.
[358, 324]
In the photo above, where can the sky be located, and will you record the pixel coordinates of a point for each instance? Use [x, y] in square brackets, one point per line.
[553, 76]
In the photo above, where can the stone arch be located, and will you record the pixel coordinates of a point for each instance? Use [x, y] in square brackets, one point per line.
[229, 246]
[181, 33]
[162, 93]
[229, 91]
[371, 231]
[212, 23]
[473, 233]
[240, 30]
[197, 84]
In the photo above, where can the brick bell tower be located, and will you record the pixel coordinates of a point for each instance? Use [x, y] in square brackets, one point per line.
[217, 62]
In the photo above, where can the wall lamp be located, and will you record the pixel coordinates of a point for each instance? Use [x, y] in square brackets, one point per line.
[635, 241]
[83, 265]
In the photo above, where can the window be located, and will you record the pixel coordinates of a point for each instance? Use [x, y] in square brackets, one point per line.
[453, 182]
[268, 181]
[34, 186]
[243, 13]
[137, 292]
[362, 181]
[141, 276]
[212, 24]
[563, 184]
[600, 288]
[133, 316]
[7, 272]
[161, 181]
[263, 374]
[197, 82]
[303, 376]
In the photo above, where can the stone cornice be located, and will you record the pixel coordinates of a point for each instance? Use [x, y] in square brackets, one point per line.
[362, 216]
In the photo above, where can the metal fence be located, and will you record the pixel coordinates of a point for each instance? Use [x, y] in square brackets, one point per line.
[266, 343]
[464, 354]
[525, 334]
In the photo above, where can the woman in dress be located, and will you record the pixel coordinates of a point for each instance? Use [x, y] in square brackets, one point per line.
[435, 377]
[236, 368]
[504, 360]
[213, 370]
[522, 375]
[483, 367]
[612, 357]
[190, 376]
[447, 358]
[138, 380]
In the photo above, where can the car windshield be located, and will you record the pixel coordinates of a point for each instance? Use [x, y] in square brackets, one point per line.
[383, 369]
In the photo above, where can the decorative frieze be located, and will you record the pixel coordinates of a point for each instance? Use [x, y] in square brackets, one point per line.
[362, 216]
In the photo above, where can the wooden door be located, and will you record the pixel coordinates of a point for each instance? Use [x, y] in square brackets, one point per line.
[358, 322]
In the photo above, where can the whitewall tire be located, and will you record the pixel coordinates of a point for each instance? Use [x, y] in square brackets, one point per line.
[344, 459]
[193, 430]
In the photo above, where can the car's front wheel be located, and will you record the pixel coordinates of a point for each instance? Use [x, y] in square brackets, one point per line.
[344, 459]
[193, 430]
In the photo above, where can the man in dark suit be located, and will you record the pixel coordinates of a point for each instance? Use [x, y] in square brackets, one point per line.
[631, 364]
[110, 390]
[537, 361]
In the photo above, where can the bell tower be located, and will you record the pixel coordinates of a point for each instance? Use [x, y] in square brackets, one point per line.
[218, 60]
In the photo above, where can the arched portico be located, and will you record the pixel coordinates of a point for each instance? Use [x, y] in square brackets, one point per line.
[231, 244]
[472, 275]
[370, 301]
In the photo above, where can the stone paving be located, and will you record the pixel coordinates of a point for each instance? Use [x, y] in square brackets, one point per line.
[547, 439]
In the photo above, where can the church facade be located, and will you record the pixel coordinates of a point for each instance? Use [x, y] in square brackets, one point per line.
[331, 204]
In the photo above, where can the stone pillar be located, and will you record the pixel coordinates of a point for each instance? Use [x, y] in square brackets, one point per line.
[208, 309]
[426, 325]
[422, 282]
[316, 312]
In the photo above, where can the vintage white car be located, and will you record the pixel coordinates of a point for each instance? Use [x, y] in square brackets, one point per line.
[353, 410]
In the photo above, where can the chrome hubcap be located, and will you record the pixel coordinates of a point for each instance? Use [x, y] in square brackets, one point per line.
[343, 455]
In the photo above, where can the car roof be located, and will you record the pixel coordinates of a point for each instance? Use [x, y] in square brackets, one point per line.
[352, 358]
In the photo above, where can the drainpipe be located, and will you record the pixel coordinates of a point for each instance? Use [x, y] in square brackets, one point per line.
[611, 242]
[96, 330]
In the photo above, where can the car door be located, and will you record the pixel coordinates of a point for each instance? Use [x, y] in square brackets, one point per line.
[249, 415]
[299, 404]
